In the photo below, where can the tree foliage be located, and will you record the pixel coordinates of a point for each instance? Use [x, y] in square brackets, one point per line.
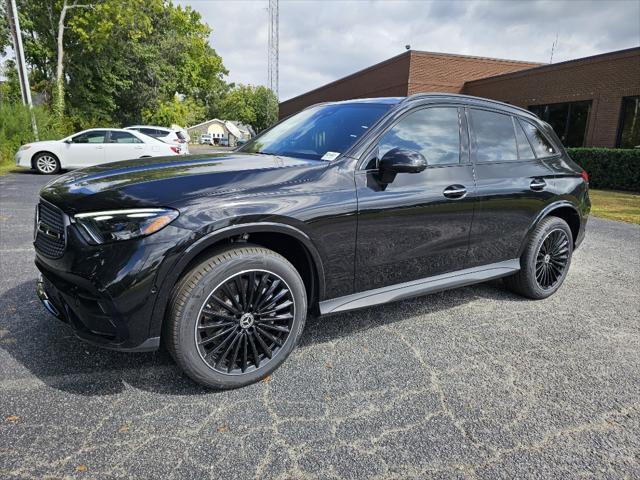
[122, 57]
[5, 34]
[182, 112]
[255, 106]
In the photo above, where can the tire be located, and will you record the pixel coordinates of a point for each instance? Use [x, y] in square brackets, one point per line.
[544, 266]
[239, 338]
[46, 163]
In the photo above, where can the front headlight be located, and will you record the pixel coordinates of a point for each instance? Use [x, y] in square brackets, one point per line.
[25, 147]
[114, 225]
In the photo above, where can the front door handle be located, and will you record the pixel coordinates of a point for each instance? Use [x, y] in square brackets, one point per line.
[455, 191]
[537, 184]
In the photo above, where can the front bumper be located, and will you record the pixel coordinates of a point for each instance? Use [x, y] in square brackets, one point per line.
[22, 159]
[107, 293]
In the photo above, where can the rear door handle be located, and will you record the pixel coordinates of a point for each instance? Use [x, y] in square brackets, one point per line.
[455, 191]
[537, 184]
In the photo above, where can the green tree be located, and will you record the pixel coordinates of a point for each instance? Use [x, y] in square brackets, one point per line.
[5, 34]
[119, 57]
[182, 112]
[255, 106]
[10, 89]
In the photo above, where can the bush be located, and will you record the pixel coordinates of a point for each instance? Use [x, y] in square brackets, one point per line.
[15, 128]
[610, 168]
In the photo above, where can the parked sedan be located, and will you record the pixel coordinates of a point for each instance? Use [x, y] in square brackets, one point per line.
[90, 147]
[167, 135]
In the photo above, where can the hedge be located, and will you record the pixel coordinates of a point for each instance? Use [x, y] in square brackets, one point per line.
[610, 168]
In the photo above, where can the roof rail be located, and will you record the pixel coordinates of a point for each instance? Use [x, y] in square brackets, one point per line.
[420, 96]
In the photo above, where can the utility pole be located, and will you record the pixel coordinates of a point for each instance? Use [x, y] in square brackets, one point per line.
[273, 47]
[25, 89]
[554, 45]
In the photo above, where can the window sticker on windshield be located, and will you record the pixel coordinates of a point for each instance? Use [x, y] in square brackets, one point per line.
[330, 156]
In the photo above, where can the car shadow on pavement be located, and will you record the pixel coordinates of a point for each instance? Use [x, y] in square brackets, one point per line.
[48, 349]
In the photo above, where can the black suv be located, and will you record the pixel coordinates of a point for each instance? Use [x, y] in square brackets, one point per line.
[341, 206]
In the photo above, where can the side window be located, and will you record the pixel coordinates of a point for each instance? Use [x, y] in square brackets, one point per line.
[525, 152]
[541, 145]
[494, 136]
[96, 136]
[123, 137]
[434, 132]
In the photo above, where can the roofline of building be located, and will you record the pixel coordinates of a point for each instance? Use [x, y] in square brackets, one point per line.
[552, 66]
[474, 57]
[206, 121]
[357, 73]
[408, 53]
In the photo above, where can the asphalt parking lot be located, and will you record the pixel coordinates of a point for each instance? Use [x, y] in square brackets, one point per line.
[471, 383]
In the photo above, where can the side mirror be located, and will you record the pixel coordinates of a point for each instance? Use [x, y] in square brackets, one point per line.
[68, 140]
[399, 160]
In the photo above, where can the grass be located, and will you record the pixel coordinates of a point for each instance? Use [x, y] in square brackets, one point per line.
[7, 167]
[614, 205]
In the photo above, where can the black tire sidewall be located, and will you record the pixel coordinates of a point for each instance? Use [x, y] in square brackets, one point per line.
[547, 225]
[189, 358]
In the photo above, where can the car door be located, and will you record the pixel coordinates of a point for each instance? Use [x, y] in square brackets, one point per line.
[84, 149]
[123, 146]
[511, 180]
[418, 225]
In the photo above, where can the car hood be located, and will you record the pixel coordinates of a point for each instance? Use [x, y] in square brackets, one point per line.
[167, 181]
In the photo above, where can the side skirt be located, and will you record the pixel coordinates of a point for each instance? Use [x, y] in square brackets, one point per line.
[422, 286]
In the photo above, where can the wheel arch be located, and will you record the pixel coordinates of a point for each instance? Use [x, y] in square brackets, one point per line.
[288, 241]
[565, 210]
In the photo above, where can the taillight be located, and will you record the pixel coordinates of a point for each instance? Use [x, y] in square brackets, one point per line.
[585, 176]
[175, 149]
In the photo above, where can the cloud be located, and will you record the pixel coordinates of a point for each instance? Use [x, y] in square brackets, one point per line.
[321, 41]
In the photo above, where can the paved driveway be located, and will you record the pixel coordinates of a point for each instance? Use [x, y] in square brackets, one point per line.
[472, 383]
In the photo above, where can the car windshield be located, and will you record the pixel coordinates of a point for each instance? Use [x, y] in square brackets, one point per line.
[318, 133]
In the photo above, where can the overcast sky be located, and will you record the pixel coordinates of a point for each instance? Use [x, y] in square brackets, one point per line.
[321, 41]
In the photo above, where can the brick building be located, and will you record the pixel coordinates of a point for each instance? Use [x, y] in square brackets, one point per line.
[592, 101]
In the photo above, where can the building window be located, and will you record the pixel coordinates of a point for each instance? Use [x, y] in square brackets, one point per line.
[629, 136]
[569, 120]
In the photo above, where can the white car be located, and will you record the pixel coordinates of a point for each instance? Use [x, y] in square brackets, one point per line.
[90, 147]
[167, 135]
[206, 138]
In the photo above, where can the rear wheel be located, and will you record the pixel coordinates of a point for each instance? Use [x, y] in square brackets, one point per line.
[46, 163]
[235, 317]
[545, 262]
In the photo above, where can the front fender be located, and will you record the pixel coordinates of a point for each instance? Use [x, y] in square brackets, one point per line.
[179, 265]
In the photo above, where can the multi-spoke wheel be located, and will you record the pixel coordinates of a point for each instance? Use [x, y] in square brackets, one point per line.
[545, 261]
[245, 322]
[236, 317]
[552, 258]
[46, 163]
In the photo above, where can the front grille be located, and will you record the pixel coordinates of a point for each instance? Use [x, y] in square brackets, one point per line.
[50, 230]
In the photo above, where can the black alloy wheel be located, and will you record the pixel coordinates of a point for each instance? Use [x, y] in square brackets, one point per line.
[545, 260]
[236, 316]
[552, 259]
[245, 321]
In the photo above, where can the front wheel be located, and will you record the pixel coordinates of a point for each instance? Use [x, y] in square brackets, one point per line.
[46, 163]
[235, 317]
[545, 262]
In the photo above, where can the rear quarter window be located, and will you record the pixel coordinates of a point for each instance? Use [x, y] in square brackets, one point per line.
[541, 145]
